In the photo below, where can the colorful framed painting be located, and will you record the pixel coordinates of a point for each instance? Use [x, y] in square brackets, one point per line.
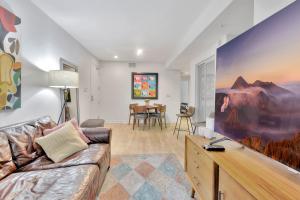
[10, 65]
[144, 86]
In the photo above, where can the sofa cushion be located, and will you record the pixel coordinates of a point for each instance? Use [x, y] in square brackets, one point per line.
[21, 141]
[70, 183]
[75, 124]
[92, 123]
[41, 124]
[98, 134]
[98, 154]
[39, 133]
[62, 143]
[45, 123]
[6, 164]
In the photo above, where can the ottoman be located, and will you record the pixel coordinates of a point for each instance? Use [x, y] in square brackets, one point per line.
[92, 123]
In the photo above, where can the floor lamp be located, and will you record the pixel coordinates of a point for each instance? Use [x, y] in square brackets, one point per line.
[64, 80]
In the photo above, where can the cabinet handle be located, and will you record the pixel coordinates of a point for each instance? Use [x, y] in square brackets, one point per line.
[197, 152]
[220, 195]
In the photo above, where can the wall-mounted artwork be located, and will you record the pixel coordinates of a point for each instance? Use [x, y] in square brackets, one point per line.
[258, 87]
[144, 86]
[10, 65]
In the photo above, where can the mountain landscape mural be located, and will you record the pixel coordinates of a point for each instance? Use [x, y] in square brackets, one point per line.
[258, 87]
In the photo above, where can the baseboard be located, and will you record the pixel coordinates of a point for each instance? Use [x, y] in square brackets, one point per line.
[126, 122]
[116, 122]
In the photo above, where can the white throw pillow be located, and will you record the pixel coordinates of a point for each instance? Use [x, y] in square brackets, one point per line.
[62, 143]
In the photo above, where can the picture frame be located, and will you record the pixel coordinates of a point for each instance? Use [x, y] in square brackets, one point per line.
[10, 61]
[144, 85]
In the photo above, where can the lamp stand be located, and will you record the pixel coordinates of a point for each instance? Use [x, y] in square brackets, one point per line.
[64, 105]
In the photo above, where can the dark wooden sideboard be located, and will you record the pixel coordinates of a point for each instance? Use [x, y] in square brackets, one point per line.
[237, 174]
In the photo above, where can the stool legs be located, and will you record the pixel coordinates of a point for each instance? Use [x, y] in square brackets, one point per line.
[191, 126]
[194, 131]
[175, 126]
[187, 121]
[179, 127]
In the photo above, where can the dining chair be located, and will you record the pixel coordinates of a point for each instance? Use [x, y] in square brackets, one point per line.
[162, 111]
[140, 113]
[156, 116]
[155, 108]
[131, 111]
[188, 115]
[159, 116]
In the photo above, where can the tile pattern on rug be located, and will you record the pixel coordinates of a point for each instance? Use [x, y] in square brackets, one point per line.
[145, 177]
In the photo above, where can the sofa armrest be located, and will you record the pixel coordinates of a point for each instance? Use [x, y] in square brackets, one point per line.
[98, 134]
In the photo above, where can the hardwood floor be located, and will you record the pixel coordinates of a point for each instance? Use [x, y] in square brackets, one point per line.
[125, 141]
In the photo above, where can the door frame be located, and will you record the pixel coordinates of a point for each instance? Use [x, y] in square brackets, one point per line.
[63, 62]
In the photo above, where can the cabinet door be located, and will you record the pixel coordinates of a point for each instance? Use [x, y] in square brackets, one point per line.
[229, 189]
[201, 170]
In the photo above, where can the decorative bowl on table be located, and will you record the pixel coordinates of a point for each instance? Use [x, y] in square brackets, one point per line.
[147, 102]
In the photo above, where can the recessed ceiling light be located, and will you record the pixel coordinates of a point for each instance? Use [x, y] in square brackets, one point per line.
[116, 57]
[139, 52]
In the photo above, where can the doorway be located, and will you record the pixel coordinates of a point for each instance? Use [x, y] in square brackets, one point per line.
[184, 89]
[205, 88]
[72, 106]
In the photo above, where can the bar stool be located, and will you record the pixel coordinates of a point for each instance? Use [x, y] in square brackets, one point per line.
[190, 112]
[196, 125]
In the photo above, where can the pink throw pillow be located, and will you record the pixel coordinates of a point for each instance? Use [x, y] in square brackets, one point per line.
[76, 126]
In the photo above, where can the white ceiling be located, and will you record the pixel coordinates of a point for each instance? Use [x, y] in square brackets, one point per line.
[234, 20]
[118, 27]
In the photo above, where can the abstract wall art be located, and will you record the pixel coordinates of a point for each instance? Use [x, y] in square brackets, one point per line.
[258, 87]
[10, 65]
[144, 85]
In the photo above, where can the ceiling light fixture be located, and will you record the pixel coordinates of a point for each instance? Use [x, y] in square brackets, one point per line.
[116, 57]
[139, 52]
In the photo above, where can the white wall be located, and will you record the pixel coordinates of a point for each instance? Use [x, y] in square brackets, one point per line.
[265, 8]
[43, 43]
[114, 84]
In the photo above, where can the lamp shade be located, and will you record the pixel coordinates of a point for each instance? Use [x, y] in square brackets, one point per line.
[63, 79]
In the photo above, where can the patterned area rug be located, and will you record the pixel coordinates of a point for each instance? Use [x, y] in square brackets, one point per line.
[146, 177]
